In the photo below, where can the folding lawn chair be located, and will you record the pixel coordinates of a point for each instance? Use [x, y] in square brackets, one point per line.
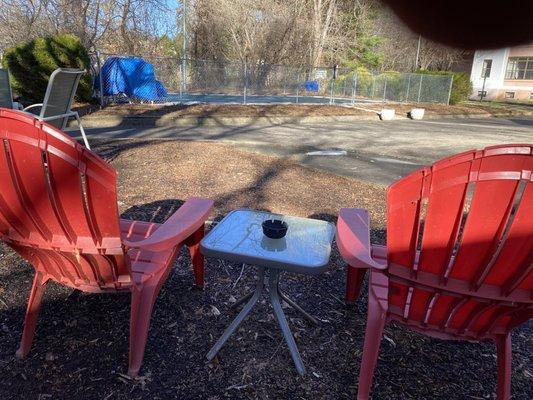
[57, 103]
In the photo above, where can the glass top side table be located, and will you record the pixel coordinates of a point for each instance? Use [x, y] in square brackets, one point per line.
[305, 249]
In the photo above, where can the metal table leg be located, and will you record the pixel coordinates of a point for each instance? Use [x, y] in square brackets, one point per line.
[273, 289]
[294, 305]
[238, 320]
[285, 298]
[275, 299]
[242, 299]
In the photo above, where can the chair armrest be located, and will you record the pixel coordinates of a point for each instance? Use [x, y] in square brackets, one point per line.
[33, 106]
[58, 116]
[353, 238]
[178, 227]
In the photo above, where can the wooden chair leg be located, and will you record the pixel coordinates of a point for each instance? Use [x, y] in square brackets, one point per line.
[193, 243]
[354, 282]
[32, 314]
[374, 331]
[142, 303]
[503, 350]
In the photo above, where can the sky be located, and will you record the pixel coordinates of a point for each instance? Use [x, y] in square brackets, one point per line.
[173, 5]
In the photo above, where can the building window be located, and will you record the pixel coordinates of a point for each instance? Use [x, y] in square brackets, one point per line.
[519, 68]
[487, 66]
[509, 95]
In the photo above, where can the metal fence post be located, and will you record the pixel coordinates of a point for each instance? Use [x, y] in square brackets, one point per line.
[285, 81]
[408, 87]
[420, 88]
[183, 76]
[297, 86]
[181, 81]
[385, 90]
[344, 89]
[450, 91]
[332, 85]
[245, 82]
[373, 86]
[354, 86]
[100, 79]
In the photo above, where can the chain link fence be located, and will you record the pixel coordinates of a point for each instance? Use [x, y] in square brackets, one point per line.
[186, 81]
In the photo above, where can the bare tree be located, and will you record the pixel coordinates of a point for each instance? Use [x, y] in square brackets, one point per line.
[399, 47]
[129, 26]
[322, 18]
[254, 31]
[298, 32]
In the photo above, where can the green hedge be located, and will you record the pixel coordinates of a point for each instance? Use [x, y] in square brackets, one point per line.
[461, 86]
[32, 63]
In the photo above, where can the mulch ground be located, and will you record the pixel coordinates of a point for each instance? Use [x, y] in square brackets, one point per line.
[81, 345]
[301, 110]
[229, 110]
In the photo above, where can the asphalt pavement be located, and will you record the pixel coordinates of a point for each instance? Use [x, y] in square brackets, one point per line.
[375, 151]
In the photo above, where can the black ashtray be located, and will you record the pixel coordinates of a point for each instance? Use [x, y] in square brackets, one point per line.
[275, 228]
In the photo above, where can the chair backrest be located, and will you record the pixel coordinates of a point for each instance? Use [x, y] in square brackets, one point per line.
[60, 94]
[58, 204]
[460, 242]
[6, 97]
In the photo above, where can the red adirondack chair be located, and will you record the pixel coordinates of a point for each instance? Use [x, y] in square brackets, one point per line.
[58, 210]
[459, 256]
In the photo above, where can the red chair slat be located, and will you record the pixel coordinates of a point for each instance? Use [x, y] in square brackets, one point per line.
[403, 207]
[33, 188]
[63, 158]
[419, 300]
[515, 257]
[11, 207]
[488, 216]
[398, 294]
[463, 313]
[441, 310]
[443, 217]
[102, 201]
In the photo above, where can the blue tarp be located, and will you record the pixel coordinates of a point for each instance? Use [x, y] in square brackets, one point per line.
[131, 76]
[311, 86]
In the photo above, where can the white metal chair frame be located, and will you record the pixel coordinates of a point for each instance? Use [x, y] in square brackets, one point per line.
[69, 113]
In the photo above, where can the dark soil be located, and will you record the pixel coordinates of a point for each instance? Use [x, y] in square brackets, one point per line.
[81, 347]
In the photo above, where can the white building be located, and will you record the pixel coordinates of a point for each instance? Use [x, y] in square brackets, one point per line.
[503, 74]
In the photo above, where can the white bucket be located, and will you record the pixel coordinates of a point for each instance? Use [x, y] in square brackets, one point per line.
[387, 114]
[417, 113]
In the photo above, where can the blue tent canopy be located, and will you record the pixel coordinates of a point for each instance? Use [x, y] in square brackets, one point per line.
[131, 76]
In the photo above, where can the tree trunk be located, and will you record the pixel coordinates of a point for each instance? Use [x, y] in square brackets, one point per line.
[323, 11]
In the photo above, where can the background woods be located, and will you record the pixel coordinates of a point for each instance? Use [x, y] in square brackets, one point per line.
[350, 33]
